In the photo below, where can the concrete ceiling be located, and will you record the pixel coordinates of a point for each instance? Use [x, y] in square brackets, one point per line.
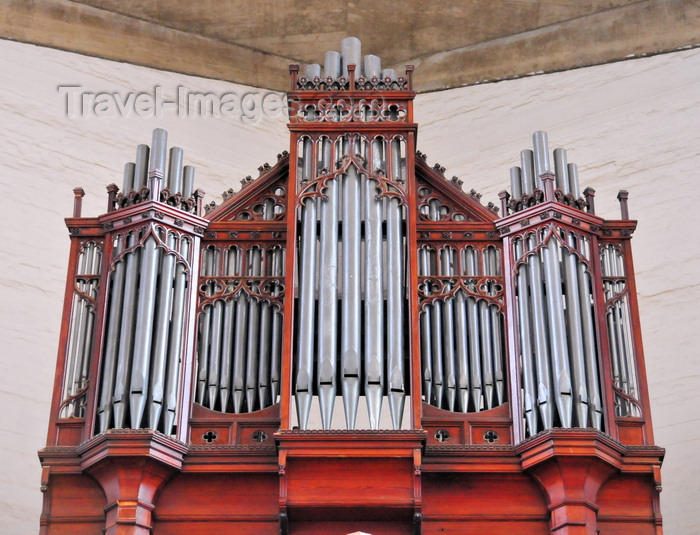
[450, 43]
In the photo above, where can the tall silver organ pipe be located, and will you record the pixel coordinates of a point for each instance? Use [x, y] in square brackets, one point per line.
[128, 182]
[162, 332]
[448, 336]
[395, 311]
[373, 303]
[307, 297]
[141, 167]
[561, 170]
[557, 339]
[372, 66]
[351, 287]
[331, 65]
[254, 330]
[557, 332]
[175, 170]
[328, 292]
[277, 271]
[541, 153]
[351, 310]
[530, 181]
[175, 340]
[351, 50]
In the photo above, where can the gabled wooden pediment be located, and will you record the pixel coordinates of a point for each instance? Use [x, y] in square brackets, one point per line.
[445, 197]
[260, 199]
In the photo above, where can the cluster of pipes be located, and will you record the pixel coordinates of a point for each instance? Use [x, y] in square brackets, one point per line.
[352, 300]
[240, 336]
[557, 335]
[146, 303]
[145, 178]
[335, 64]
[526, 179]
[82, 320]
[461, 335]
[619, 332]
[560, 379]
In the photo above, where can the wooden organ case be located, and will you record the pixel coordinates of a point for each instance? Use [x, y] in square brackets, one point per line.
[350, 342]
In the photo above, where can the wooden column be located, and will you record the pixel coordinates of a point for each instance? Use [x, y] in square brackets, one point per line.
[571, 465]
[131, 466]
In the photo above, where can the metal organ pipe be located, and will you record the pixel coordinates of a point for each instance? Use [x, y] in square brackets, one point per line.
[541, 155]
[312, 71]
[263, 371]
[372, 66]
[526, 349]
[231, 268]
[188, 182]
[328, 300]
[128, 182]
[395, 313]
[351, 49]
[493, 269]
[373, 304]
[239, 348]
[574, 186]
[425, 328]
[143, 335]
[485, 331]
[448, 340]
[162, 332]
[390, 74]
[575, 333]
[276, 335]
[516, 182]
[462, 349]
[530, 181]
[560, 358]
[331, 65]
[561, 170]
[255, 271]
[589, 343]
[109, 358]
[175, 171]
[205, 329]
[159, 150]
[141, 167]
[175, 340]
[307, 296]
[126, 333]
[544, 381]
[436, 349]
[351, 292]
[473, 322]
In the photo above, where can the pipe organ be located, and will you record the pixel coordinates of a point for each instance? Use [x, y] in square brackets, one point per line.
[349, 342]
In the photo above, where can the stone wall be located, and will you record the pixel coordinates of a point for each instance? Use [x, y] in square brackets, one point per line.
[630, 125]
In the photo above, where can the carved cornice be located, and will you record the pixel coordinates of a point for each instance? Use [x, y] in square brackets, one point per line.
[132, 443]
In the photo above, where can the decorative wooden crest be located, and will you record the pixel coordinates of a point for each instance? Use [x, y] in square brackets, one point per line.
[260, 199]
[441, 199]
